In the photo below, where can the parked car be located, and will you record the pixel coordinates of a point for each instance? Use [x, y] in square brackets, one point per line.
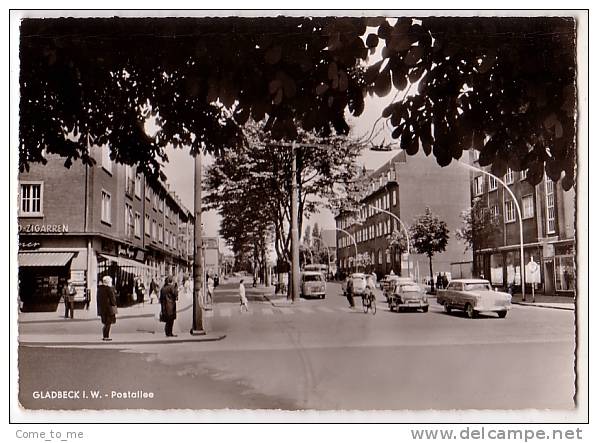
[474, 296]
[358, 284]
[408, 295]
[313, 284]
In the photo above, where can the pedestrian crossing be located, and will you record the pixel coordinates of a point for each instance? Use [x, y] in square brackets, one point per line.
[227, 311]
[290, 310]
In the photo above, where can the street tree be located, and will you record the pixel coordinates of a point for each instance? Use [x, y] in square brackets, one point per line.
[505, 86]
[478, 226]
[429, 235]
[255, 179]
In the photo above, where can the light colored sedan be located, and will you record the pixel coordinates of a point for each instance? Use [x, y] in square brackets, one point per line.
[474, 296]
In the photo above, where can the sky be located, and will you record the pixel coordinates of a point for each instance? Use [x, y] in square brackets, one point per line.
[179, 169]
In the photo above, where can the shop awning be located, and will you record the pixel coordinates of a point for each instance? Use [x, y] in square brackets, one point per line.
[30, 259]
[123, 262]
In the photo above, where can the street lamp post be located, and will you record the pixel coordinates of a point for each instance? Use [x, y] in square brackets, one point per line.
[521, 259]
[197, 327]
[404, 229]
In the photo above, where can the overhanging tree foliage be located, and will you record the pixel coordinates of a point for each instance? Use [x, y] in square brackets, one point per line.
[504, 85]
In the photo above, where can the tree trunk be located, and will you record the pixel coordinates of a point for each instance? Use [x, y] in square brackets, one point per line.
[432, 290]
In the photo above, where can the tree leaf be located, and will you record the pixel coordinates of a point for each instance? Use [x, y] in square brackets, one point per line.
[383, 84]
[273, 55]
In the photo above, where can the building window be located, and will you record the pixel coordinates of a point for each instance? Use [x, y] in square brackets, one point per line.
[380, 257]
[528, 206]
[388, 227]
[160, 233]
[166, 237]
[155, 200]
[523, 175]
[138, 186]
[388, 256]
[31, 199]
[394, 198]
[550, 210]
[129, 226]
[478, 185]
[509, 176]
[147, 225]
[154, 230]
[509, 211]
[161, 205]
[494, 212]
[137, 225]
[492, 183]
[106, 207]
[106, 160]
[147, 192]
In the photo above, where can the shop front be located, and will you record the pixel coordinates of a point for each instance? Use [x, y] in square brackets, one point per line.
[44, 273]
[564, 268]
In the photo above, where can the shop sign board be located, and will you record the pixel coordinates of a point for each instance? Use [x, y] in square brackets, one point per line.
[36, 228]
[532, 272]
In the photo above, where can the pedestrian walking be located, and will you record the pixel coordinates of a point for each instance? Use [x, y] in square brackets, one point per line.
[349, 292]
[153, 291]
[68, 294]
[210, 288]
[168, 298]
[445, 281]
[107, 310]
[242, 297]
[139, 290]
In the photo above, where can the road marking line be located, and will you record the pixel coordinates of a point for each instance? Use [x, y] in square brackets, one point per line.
[225, 312]
[267, 311]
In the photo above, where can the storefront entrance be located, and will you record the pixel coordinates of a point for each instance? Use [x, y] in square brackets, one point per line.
[42, 275]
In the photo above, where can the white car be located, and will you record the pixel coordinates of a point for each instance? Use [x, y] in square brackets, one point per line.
[474, 296]
[359, 283]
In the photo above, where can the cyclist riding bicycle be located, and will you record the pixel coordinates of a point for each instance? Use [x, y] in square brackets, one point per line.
[370, 287]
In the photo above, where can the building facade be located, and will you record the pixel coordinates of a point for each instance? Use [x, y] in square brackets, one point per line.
[548, 222]
[404, 186]
[84, 222]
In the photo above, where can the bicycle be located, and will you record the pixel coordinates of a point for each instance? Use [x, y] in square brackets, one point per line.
[368, 301]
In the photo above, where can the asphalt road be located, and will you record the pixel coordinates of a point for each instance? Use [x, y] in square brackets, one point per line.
[318, 354]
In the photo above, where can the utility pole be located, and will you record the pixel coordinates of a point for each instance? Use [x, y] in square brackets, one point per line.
[198, 281]
[294, 227]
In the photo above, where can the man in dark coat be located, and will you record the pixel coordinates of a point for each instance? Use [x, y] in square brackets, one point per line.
[106, 306]
[168, 298]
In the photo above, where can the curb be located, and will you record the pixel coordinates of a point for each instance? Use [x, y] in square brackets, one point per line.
[118, 343]
[534, 305]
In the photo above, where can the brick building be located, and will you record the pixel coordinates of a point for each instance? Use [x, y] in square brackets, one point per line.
[83, 222]
[548, 220]
[404, 186]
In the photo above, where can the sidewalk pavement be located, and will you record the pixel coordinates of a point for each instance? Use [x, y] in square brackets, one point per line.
[84, 329]
[545, 301]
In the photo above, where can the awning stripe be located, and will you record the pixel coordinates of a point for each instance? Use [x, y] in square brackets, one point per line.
[29, 259]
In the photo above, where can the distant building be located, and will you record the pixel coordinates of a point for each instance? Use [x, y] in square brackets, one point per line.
[548, 217]
[84, 222]
[404, 186]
